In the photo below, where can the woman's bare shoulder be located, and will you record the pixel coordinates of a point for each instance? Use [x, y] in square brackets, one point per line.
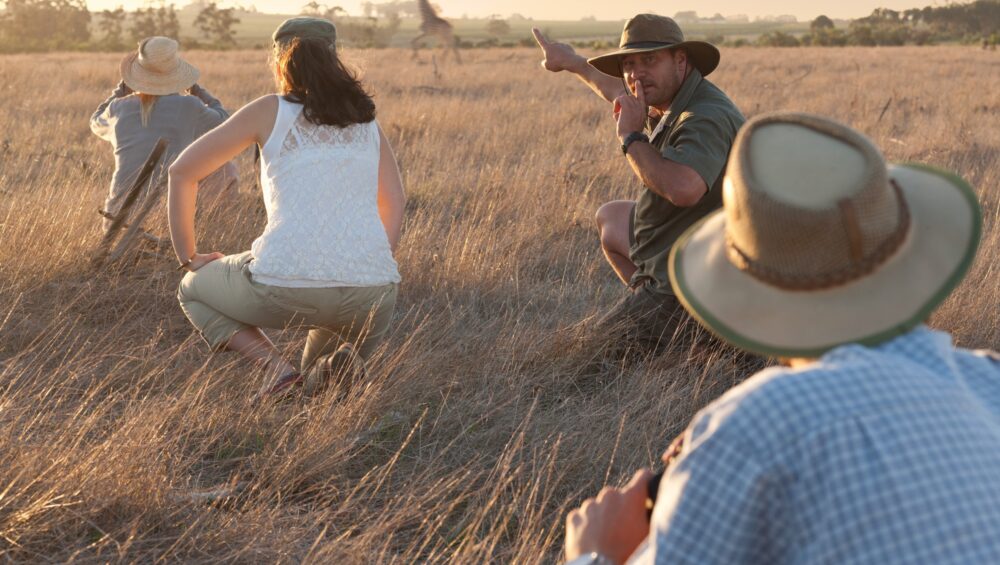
[265, 106]
[257, 115]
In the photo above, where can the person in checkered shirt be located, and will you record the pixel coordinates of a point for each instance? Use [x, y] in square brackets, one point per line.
[878, 440]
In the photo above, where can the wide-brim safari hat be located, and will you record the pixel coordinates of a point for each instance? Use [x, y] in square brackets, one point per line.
[820, 243]
[649, 32]
[156, 68]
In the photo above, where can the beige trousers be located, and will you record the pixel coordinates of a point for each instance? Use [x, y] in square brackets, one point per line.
[222, 299]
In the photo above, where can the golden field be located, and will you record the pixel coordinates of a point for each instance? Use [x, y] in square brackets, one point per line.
[473, 436]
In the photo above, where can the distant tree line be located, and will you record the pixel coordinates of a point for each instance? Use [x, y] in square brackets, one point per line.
[975, 22]
[42, 25]
[46, 25]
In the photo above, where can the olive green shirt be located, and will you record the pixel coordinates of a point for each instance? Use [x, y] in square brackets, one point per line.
[698, 130]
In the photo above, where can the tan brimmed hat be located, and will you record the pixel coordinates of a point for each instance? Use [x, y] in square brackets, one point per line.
[649, 32]
[820, 244]
[156, 68]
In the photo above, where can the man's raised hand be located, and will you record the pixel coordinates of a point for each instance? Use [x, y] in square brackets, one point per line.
[558, 56]
[631, 112]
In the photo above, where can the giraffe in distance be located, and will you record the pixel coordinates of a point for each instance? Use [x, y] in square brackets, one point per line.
[433, 25]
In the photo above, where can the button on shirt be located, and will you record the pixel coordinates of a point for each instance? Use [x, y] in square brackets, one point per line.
[697, 131]
[874, 455]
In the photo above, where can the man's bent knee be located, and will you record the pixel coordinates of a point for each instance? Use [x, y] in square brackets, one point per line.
[614, 213]
[613, 221]
[604, 215]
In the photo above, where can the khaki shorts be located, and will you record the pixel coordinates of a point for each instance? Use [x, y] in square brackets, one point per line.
[222, 299]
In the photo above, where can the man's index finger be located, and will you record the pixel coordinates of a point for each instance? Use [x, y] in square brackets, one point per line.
[541, 39]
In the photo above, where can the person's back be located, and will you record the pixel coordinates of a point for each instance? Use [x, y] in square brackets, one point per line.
[320, 185]
[335, 204]
[879, 441]
[886, 454]
[178, 118]
[148, 105]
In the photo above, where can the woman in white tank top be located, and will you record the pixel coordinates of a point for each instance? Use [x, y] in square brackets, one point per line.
[334, 203]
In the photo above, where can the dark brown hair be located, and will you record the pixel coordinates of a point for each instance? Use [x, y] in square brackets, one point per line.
[308, 71]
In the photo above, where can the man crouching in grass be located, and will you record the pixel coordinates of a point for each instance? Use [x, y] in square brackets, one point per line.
[680, 159]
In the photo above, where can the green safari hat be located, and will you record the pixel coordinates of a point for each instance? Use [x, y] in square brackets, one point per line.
[649, 32]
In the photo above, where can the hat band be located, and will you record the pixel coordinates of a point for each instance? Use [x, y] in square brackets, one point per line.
[288, 38]
[859, 267]
[162, 66]
[645, 45]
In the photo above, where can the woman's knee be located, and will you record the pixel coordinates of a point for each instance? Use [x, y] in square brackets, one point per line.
[185, 289]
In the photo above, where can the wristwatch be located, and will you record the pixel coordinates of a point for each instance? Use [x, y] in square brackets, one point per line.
[632, 138]
[593, 558]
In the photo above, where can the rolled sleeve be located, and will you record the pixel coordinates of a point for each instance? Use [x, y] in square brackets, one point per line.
[701, 142]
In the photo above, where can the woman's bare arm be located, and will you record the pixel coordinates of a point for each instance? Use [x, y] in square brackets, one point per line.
[251, 124]
[391, 200]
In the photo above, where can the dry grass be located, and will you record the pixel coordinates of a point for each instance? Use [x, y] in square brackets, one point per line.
[473, 438]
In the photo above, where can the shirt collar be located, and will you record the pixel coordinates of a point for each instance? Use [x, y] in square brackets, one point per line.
[921, 341]
[680, 102]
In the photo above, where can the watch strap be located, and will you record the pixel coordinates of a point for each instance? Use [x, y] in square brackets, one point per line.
[593, 558]
[632, 138]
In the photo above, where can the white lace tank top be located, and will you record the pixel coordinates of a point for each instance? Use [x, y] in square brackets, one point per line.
[320, 187]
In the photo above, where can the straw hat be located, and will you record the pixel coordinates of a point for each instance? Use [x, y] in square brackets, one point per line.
[820, 244]
[157, 69]
[649, 32]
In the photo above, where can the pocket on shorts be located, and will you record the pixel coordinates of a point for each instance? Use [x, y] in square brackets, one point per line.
[283, 302]
[276, 299]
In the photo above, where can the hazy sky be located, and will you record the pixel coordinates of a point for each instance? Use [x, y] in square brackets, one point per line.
[602, 9]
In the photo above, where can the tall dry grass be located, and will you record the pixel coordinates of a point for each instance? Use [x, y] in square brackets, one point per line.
[473, 436]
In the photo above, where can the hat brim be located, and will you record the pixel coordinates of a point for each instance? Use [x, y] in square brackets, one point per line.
[764, 319]
[705, 56]
[141, 80]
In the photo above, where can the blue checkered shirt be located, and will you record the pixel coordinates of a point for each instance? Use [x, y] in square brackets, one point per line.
[879, 455]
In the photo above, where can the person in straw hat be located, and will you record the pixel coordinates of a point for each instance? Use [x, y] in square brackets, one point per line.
[334, 201]
[675, 128]
[148, 104]
[878, 441]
